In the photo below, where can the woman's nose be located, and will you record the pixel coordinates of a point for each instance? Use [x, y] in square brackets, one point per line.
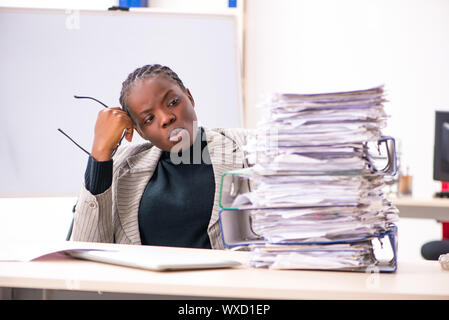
[168, 119]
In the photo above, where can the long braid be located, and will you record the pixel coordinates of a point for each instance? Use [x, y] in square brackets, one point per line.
[145, 72]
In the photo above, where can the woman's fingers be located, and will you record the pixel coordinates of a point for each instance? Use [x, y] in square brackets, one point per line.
[129, 134]
[111, 123]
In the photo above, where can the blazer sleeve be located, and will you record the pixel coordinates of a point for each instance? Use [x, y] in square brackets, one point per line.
[93, 219]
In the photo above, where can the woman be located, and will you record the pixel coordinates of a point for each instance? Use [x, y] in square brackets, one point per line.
[164, 192]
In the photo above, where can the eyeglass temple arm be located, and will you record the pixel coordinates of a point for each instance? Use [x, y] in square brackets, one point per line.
[74, 141]
[65, 134]
[82, 97]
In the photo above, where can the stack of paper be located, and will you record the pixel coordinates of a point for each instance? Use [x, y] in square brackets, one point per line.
[371, 253]
[321, 224]
[317, 180]
[338, 256]
[318, 133]
[294, 190]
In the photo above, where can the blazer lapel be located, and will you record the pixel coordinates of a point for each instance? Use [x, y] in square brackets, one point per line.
[225, 156]
[131, 184]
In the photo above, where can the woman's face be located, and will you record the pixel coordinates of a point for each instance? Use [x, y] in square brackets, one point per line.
[163, 113]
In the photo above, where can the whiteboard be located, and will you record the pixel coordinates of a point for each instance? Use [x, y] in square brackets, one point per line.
[48, 56]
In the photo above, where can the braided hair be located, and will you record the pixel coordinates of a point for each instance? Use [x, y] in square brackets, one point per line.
[142, 73]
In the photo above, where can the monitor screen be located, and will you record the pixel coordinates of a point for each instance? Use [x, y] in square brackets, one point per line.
[441, 147]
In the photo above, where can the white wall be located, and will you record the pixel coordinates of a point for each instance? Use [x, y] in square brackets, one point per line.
[35, 219]
[326, 45]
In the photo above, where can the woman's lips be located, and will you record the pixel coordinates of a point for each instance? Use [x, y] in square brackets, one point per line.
[176, 134]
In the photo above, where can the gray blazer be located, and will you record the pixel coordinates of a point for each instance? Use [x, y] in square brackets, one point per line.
[112, 215]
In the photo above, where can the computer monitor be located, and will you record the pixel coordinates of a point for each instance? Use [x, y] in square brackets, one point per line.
[441, 147]
[433, 249]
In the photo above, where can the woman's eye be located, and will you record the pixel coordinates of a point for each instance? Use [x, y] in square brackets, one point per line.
[173, 102]
[149, 119]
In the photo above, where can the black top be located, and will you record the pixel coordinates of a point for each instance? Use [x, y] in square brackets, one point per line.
[176, 205]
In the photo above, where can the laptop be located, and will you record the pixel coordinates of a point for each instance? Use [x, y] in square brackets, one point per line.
[154, 258]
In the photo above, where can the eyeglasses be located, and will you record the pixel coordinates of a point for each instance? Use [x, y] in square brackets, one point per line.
[67, 136]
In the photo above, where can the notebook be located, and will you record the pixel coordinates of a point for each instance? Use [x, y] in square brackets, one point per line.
[154, 259]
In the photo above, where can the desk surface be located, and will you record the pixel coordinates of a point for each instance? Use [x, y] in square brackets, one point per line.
[413, 280]
[427, 208]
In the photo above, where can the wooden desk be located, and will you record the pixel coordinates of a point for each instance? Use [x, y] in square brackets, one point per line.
[437, 209]
[413, 280]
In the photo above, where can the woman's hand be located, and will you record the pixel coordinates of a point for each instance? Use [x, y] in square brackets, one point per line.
[111, 122]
